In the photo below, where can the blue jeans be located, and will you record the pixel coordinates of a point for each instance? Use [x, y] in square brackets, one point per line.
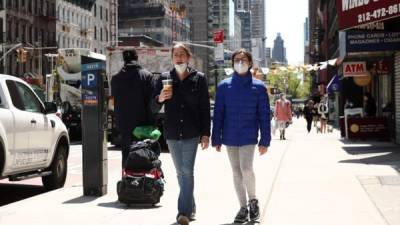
[183, 153]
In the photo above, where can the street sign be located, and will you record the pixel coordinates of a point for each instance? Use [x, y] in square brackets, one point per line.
[355, 13]
[219, 36]
[351, 69]
[219, 53]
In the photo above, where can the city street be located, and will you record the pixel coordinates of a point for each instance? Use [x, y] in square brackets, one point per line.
[115, 68]
[307, 179]
[15, 191]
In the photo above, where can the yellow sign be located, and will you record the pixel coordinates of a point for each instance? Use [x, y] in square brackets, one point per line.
[355, 128]
[362, 80]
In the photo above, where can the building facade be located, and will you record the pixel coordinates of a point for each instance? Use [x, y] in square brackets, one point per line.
[245, 19]
[242, 5]
[74, 25]
[197, 14]
[279, 51]
[161, 20]
[236, 42]
[397, 96]
[306, 40]
[31, 25]
[258, 31]
[101, 20]
[334, 35]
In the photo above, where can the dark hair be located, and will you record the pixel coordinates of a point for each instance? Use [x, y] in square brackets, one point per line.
[181, 45]
[129, 55]
[246, 53]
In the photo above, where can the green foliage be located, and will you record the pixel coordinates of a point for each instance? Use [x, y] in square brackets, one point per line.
[298, 84]
[211, 90]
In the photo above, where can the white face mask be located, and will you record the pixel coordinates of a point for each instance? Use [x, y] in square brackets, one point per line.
[240, 68]
[180, 68]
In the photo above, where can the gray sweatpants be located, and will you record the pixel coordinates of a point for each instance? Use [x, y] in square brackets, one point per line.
[241, 159]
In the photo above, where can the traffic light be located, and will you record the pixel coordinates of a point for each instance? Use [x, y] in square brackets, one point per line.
[24, 56]
[18, 51]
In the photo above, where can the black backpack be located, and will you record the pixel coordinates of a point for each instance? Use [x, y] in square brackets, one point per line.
[143, 156]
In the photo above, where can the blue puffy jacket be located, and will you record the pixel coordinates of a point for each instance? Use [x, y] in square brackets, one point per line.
[241, 111]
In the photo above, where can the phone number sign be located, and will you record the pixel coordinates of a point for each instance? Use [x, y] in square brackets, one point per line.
[353, 13]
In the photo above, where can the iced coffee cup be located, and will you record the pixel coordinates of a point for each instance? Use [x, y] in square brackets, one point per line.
[167, 84]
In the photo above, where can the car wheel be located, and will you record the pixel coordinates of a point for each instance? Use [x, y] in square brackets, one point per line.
[58, 170]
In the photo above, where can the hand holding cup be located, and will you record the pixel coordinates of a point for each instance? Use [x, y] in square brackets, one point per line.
[166, 92]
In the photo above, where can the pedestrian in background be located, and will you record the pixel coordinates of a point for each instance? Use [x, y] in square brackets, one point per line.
[308, 113]
[131, 89]
[323, 113]
[369, 105]
[241, 111]
[283, 114]
[184, 93]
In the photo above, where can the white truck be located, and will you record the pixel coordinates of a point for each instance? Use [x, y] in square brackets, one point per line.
[64, 86]
[34, 142]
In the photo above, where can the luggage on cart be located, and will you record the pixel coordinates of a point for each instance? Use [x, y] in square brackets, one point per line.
[142, 180]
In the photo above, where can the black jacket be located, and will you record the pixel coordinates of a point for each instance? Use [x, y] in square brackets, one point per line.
[132, 90]
[187, 113]
[308, 112]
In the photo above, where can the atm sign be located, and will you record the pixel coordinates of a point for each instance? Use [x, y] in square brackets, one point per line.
[352, 69]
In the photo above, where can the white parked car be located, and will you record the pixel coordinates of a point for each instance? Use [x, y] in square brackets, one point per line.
[34, 142]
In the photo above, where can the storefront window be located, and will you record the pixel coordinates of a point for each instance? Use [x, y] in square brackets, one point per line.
[383, 92]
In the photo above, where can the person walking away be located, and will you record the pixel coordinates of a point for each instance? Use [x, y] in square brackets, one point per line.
[241, 111]
[283, 114]
[184, 93]
[323, 112]
[369, 105]
[308, 114]
[131, 88]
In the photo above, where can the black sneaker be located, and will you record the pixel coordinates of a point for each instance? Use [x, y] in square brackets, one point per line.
[254, 210]
[242, 216]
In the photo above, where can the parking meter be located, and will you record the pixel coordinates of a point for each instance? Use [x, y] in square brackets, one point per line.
[94, 126]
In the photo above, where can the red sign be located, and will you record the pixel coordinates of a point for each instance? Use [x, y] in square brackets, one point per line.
[353, 13]
[351, 69]
[219, 36]
[382, 67]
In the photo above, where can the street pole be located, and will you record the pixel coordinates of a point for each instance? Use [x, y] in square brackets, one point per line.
[216, 76]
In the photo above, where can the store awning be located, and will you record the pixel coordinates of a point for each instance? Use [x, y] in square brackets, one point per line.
[334, 85]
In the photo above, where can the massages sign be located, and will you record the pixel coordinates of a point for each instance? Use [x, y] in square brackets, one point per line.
[353, 13]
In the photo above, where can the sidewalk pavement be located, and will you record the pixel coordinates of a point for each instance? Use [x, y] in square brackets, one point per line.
[309, 179]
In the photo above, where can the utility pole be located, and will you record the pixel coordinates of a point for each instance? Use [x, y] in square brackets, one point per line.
[216, 77]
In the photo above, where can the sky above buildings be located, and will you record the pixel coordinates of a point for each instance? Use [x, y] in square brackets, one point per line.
[287, 17]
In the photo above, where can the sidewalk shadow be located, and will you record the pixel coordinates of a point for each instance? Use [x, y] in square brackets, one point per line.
[247, 223]
[118, 205]
[114, 148]
[357, 150]
[391, 159]
[81, 199]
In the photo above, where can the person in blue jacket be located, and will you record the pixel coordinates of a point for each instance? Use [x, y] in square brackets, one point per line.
[241, 112]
